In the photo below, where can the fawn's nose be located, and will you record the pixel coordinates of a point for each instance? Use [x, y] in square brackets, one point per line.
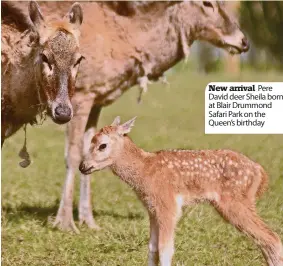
[82, 167]
[85, 168]
[63, 114]
[245, 44]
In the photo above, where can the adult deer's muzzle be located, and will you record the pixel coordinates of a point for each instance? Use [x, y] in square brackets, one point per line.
[62, 113]
[62, 110]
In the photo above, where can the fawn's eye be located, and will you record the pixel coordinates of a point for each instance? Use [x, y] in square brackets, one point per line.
[207, 4]
[102, 147]
[45, 60]
[79, 60]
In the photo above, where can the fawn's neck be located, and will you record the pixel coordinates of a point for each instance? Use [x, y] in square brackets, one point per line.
[131, 164]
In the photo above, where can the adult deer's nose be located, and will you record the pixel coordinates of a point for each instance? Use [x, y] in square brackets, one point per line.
[245, 44]
[63, 114]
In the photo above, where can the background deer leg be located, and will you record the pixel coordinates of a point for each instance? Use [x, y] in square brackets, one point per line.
[245, 219]
[82, 104]
[85, 206]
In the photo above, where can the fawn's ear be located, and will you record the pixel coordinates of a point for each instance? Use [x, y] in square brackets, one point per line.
[36, 15]
[116, 121]
[75, 15]
[126, 127]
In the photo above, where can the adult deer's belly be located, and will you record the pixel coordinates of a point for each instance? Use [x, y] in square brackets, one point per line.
[109, 80]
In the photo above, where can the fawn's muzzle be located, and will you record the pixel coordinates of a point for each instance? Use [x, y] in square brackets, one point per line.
[245, 44]
[84, 169]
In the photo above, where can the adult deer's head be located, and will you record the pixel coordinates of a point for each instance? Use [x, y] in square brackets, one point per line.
[214, 24]
[58, 59]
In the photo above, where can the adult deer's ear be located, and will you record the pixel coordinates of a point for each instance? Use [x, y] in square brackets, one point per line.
[75, 15]
[116, 121]
[35, 15]
[126, 127]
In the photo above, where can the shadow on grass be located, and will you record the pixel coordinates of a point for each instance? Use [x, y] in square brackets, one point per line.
[29, 212]
[43, 214]
[129, 216]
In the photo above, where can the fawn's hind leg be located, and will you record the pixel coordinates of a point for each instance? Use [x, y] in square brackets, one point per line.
[243, 216]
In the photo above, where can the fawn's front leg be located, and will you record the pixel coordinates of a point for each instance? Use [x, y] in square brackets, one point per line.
[166, 228]
[153, 256]
[169, 211]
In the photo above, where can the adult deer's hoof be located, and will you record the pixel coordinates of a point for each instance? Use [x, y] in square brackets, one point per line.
[65, 222]
[85, 216]
[90, 223]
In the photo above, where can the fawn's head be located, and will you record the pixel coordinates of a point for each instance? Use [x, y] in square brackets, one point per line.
[214, 24]
[106, 146]
[57, 59]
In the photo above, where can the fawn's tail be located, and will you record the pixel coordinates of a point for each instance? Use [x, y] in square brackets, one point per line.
[263, 184]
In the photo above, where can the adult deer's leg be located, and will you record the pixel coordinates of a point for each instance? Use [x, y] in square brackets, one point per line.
[153, 257]
[3, 131]
[2, 142]
[243, 216]
[85, 206]
[82, 104]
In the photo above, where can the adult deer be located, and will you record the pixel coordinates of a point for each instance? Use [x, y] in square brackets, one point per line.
[129, 43]
[40, 61]
[165, 181]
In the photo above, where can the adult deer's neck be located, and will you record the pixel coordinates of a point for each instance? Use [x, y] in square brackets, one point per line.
[131, 164]
[21, 88]
[29, 81]
[163, 42]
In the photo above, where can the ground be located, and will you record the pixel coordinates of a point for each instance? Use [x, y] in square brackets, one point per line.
[169, 117]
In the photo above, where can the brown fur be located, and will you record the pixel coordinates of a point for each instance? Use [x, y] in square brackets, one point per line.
[165, 181]
[13, 16]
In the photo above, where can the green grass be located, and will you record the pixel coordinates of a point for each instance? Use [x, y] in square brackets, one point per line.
[169, 117]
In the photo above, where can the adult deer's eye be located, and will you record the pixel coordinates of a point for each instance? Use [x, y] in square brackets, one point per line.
[45, 60]
[207, 4]
[79, 60]
[102, 147]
